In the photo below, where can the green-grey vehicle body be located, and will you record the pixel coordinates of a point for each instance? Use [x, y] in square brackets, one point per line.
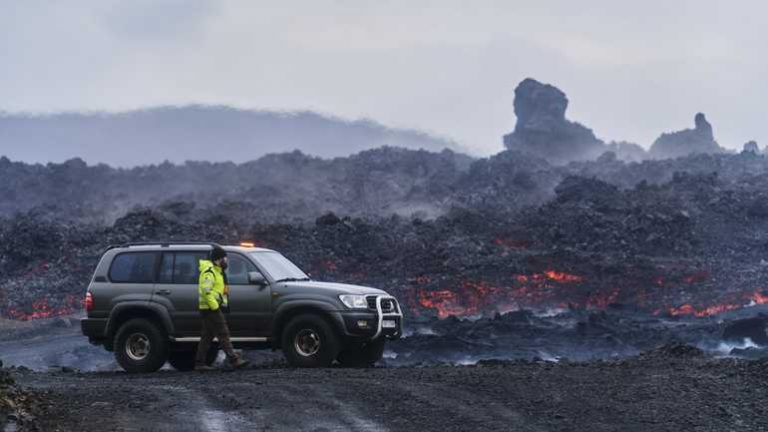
[158, 282]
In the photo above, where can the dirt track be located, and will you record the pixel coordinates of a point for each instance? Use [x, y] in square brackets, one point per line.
[666, 392]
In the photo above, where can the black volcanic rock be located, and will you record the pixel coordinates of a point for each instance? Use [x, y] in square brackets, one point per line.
[749, 328]
[329, 218]
[700, 139]
[543, 130]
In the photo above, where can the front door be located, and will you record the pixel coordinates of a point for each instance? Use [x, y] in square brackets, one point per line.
[250, 310]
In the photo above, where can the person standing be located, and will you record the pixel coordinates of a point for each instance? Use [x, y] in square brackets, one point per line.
[213, 301]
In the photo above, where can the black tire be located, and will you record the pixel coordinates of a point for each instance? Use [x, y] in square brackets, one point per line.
[184, 359]
[309, 341]
[140, 346]
[365, 355]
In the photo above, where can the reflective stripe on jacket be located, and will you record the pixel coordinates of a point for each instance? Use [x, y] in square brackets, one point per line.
[212, 287]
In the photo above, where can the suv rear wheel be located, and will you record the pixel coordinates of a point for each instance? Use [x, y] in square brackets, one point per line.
[140, 346]
[309, 341]
[365, 355]
[183, 359]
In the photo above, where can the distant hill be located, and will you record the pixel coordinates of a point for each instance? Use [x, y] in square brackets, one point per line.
[177, 134]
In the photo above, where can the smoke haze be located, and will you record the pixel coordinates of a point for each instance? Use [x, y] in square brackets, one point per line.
[177, 134]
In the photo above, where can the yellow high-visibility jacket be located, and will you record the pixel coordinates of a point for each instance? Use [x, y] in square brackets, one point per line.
[212, 287]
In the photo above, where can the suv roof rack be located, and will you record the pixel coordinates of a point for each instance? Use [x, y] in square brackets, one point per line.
[161, 244]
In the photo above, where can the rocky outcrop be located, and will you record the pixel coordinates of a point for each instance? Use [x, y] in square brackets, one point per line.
[543, 130]
[700, 139]
[751, 147]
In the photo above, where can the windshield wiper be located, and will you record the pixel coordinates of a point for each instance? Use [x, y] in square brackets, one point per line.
[304, 279]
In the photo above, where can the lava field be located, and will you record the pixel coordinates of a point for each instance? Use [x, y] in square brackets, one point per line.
[638, 263]
[691, 246]
[672, 236]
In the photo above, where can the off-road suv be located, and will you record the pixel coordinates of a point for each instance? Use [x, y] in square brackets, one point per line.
[142, 303]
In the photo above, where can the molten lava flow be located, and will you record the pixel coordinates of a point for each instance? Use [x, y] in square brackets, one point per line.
[471, 298]
[757, 297]
[688, 309]
[552, 275]
[556, 288]
[42, 309]
[444, 301]
[477, 297]
[562, 277]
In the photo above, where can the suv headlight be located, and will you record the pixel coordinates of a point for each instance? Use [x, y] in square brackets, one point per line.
[354, 301]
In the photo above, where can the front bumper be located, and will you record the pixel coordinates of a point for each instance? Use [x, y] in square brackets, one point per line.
[372, 324]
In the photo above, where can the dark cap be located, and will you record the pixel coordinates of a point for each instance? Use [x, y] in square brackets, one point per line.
[217, 253]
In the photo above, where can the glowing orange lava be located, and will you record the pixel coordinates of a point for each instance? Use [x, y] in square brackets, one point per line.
[562, 277]
[759, 298]
[41, 309]
[687, 309]
[478, 297]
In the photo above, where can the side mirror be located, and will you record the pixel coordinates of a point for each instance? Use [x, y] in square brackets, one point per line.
[256, 278]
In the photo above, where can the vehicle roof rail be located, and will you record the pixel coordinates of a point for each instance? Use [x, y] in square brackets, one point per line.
[161, 244]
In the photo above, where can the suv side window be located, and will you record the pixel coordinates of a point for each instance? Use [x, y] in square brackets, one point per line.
[186, 267]
[237, 272]
[180, 267]
[133, 267]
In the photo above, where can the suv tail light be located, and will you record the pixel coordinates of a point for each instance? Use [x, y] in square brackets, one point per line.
[88, 301]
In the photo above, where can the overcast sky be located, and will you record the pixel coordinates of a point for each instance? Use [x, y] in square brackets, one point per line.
[630, 69]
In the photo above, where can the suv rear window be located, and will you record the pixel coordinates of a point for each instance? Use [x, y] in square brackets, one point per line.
[133, 267]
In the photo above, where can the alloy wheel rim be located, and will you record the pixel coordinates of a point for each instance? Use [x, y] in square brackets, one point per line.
[307, 342]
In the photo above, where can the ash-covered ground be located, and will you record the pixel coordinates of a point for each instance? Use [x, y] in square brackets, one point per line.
[673, 388]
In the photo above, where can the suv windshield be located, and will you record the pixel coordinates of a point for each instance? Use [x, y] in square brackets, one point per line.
[278, 266]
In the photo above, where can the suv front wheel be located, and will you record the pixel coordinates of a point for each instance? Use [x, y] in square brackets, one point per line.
[309, 341]
[140, 346]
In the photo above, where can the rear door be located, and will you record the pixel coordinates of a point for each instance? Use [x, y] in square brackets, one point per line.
[250, 305]
[176, 285]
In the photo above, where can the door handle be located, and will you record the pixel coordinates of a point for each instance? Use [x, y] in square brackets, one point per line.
[163, 292]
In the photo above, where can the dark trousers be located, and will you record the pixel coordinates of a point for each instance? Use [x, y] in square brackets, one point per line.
[214, 325]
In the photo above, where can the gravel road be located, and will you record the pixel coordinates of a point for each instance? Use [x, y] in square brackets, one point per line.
[669, 390]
